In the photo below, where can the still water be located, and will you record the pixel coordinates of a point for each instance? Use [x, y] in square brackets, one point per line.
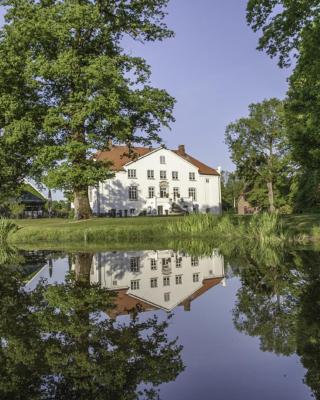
[142, 324]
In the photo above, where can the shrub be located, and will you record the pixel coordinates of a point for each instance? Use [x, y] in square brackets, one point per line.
[7, 227]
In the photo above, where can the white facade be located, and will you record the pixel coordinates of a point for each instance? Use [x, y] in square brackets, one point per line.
[163, 279]
[160, 182]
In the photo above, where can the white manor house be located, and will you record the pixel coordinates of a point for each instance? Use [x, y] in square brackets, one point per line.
[155, 181]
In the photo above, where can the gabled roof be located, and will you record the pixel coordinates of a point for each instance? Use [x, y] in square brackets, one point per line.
[119, 156]
[203, 168]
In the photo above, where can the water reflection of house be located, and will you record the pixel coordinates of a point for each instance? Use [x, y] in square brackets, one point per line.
[149, 280]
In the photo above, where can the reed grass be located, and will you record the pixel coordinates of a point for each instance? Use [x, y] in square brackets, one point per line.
[7, 227]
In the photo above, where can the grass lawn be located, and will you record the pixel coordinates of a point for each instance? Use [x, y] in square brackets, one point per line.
[93, 230]
[115, 231]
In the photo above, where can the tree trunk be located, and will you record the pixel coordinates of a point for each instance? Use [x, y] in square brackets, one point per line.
[82, 209]
[271, 197]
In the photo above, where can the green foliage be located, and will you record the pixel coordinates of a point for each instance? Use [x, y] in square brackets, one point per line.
[293, 28]
[282, 23]
[231, 188]
[7, 228]
[258, 149]
[57, 342]
[16, 209]
[86, 89]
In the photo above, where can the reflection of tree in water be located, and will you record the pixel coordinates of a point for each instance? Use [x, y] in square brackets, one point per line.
[279, 302]
[57, 342]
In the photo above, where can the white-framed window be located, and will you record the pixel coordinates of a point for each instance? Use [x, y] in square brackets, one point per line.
[154, 282]
[135, 285]
[165, 262]
[193, 194]
[132, 173]
[163, 174]
[178, 262]
[133, 193]
[166, 297]
[207, 180]
[176, 192]
[178, 279]
[166, 281]
[192, 176]
[194, 261]
[132, 211]
[134, 264]
[175, 175]
[195, 277]
[153, 264]
[150, 174]
[162, 159]
[150, 192]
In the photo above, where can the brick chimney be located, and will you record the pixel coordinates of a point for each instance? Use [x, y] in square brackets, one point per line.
[181, 150]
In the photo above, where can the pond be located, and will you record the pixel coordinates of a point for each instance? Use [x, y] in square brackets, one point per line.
[173, 323]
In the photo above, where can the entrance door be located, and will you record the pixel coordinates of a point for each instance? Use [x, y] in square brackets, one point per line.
[160, 210]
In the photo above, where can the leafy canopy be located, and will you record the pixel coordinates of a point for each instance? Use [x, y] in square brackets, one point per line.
[83, 88]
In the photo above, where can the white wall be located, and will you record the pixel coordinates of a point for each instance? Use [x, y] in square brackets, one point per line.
[113, 193]
[112, 270]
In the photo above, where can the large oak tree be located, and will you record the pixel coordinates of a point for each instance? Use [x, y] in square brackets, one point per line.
[87, 90]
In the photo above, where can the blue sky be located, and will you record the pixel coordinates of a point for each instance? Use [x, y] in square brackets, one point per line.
[213, 70]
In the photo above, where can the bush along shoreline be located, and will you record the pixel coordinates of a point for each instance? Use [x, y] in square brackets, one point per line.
[265, 229]
[7, 228]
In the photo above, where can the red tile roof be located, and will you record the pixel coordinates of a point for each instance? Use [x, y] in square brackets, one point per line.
[119, 156]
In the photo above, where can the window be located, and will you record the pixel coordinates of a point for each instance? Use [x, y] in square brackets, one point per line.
[166, 296]
[150, 174]
[195, 277]
[162, 160]
[163, 192]
[192, 176]
[132, 211]
[176, 192]
[154, 282]
[153, 264]
[178, 262]
[207, 180]
[193, 194]
[134, 264]
[178, 279]
[175, 175]
[133, 193]
[151, 192]
[114, 283]
[194, 261]
[165, 262]
[135, 285]
[166, 281]
[163, 174]
[132, 173]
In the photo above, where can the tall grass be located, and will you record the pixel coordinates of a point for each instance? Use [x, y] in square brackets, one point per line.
[7, 227]
[266, 229]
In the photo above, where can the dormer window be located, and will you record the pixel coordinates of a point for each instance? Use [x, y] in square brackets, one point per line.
[162, 159]
[132, 173]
